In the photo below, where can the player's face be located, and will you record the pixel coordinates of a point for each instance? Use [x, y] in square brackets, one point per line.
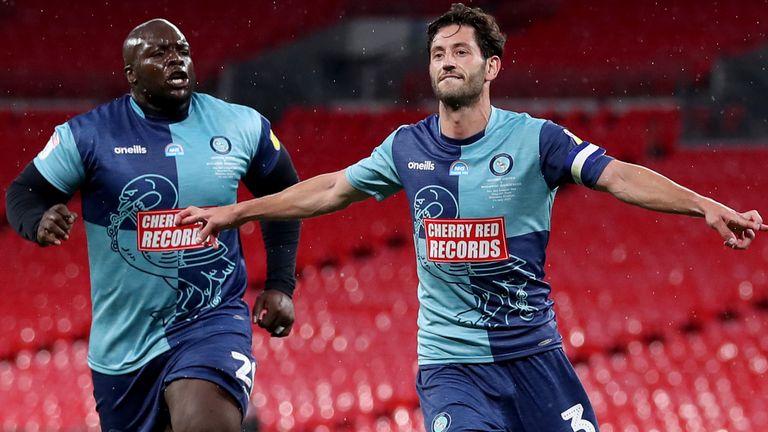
[163, 73]
[457, 67]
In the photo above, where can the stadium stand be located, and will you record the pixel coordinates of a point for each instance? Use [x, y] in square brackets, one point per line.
[61, 58]
[616, 49]
[624, 297]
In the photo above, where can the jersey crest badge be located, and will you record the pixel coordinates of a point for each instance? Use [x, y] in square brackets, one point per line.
[221, 145]
[441, 422]
[501, 164]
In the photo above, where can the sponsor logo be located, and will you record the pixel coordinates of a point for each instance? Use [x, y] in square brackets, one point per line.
[501, 164]
[221, 145]
[422, 166]
[52, 143]
[134, 149]
[458, 168]
[173, 150]
[545, 342]
[441, 422]
[466, 240]
[156, 232]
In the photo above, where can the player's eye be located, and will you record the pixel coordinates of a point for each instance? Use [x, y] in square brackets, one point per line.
[437, 56]
[158, 53]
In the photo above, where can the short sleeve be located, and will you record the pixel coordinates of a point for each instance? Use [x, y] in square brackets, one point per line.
[376, 175]
[60, 162]
[565, 158]
[267, 149]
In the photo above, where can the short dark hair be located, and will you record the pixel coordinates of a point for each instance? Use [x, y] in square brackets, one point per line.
[489, 37]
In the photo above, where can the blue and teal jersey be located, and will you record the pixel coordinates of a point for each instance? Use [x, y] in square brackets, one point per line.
[481, 213]
[149, 279]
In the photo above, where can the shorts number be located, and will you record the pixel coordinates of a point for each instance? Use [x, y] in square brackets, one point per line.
[578, 424]
[246, 371]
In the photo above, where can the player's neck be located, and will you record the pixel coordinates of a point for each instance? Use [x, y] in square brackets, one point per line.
[466, 121]
[171, 113]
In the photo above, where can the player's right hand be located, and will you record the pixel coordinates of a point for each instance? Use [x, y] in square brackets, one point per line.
[214, 220]
[55, 225]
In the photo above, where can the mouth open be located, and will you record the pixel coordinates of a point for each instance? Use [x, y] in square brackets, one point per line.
[178, 80]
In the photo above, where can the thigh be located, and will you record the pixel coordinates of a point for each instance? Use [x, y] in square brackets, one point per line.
[549, 394]
[453, 399]
[210, 380]
[199, 405]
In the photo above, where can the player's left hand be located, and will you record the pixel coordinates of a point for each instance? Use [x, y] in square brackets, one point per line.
[737, 229]
[273, 312]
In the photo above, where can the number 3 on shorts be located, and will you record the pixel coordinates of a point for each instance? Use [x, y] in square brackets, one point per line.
[246, 371]
[578, 424]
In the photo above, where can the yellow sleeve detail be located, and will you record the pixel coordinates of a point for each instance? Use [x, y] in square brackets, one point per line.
[575, 138]
[275, 141]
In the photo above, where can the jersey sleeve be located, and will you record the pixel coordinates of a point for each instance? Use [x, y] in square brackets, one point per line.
[60, 162]
[267, 148]
[565, 158]
[376, 175]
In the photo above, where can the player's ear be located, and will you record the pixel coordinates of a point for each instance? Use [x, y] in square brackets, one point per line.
[129, 75]
[492, 67]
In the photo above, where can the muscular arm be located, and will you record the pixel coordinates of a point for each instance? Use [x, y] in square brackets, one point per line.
[646, 188]
[316, 196]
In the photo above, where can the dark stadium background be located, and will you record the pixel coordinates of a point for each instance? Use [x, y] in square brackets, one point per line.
[667, 328]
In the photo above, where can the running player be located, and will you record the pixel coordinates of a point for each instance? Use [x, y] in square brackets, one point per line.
[481, 182]
[170, 341]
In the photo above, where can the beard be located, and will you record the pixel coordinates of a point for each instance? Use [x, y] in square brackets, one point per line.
[466, 94]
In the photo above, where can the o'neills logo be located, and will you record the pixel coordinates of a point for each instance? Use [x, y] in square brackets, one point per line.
[466, 240]
[134, 149]
[157, 232]
[427, 165]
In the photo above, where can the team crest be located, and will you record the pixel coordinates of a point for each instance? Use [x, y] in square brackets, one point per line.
[221, 145]
[501, 164]
[441, 422]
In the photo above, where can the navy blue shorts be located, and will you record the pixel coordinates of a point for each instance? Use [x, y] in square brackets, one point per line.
[219, 353]
[536, 393]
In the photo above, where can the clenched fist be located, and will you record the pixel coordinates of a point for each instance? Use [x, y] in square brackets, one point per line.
[55, 225]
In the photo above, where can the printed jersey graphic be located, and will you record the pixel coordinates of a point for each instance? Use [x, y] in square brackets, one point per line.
[481, 219]
[434, 206]
[151, 282]
[149, 192]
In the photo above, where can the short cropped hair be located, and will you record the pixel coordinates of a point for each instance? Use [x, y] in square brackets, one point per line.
[488, 36]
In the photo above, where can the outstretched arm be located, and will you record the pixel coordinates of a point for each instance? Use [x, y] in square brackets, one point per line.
[317, 196]
[646, 188]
